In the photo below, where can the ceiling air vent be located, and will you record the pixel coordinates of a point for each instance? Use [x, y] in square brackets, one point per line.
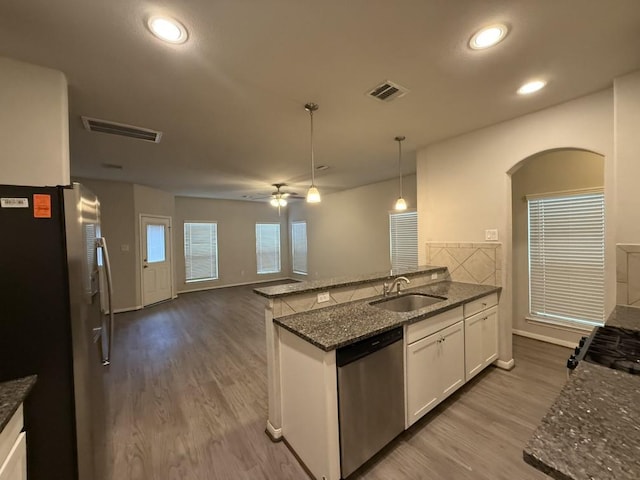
[105, 126]
[387, 91]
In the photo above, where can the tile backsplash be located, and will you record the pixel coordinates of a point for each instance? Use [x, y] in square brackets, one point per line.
[468, 262]
[628, 274]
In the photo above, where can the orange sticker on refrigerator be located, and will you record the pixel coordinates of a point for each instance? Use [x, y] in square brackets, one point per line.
[41, 205]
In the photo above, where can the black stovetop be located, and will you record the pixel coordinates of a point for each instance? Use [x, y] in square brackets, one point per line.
[615, 347]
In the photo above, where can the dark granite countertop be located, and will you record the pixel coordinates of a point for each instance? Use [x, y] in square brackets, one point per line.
[592, 430]
[336, 326]
[316, 285]
[12, 394]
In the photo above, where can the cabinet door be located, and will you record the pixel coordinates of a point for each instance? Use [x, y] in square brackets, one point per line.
[490, 336]
[451, 361]
[15, 465]
[423, 377]
[473, 345]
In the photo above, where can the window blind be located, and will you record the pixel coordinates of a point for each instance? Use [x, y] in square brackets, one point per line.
[200, 251]
[299, 247]
[268, 247]
[403, 230]
[566, 258]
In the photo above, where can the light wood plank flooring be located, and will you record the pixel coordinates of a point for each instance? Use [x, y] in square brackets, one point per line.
[188, 400]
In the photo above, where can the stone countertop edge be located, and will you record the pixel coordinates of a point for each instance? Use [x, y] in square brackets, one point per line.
[278, 291]
[592, 430]
[336, 326]
[12, 394]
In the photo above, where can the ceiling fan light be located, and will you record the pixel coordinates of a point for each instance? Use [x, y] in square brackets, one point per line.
[274, 202]
[313, 195]
[282, 202]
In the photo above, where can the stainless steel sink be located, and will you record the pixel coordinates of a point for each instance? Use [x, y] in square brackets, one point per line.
[408, 302]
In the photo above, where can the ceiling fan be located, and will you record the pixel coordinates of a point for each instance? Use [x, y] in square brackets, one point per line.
[279, 198]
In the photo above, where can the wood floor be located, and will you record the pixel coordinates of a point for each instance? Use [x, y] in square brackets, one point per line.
[188, 401]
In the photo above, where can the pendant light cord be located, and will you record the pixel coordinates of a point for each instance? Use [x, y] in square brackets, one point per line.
[399, 139]
[313, 167]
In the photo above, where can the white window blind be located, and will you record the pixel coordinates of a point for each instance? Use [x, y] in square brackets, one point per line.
[200, 251]
[268, 247]
[566, 257]
[299, 247]
[403, 230]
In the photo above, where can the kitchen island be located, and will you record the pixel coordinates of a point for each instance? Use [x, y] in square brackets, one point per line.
[592, 430]
[303, 335]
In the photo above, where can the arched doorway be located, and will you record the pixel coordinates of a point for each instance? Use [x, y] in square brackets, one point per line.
[545, 174]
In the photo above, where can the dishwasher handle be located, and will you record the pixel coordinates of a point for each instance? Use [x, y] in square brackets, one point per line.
[358, 350]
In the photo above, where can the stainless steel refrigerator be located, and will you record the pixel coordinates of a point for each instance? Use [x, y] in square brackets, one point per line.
[53, 261]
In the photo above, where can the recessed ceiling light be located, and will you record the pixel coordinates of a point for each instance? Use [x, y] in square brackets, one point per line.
[167, 29]
[531, 87]
[488, 36]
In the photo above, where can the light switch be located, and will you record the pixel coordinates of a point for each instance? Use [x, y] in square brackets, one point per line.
[491, 235]
[124, 247]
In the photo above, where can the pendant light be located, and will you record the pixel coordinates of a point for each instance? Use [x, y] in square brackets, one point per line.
[313, 195]
[400, 203]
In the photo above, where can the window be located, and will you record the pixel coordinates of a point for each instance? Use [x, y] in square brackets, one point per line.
[299, 247]
[403, 230]
[566, 257]
[268, 247]
[155, 244]
[200, 251]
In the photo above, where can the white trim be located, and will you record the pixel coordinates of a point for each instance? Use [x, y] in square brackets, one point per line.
[567, 327]
[273, 432]
[544, 338]
[577, 191]
[214, 287]
[505, 364]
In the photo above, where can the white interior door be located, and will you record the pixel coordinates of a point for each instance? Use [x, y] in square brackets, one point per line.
[156, 259]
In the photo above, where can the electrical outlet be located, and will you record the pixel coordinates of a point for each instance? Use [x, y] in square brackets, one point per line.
[124, 247]
[491, 235]
[434, 276]
[324, 297]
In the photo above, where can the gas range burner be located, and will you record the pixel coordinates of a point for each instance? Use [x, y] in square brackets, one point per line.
[613, 347]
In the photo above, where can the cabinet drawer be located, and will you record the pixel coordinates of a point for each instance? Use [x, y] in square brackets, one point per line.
[430, 325]
[10, 433]
[480, 304]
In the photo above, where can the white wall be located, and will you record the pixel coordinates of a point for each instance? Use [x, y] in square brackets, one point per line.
[464, 185]
[348, 232]
[236, 239]
[627, 144]
[34, 125]
[555, 171]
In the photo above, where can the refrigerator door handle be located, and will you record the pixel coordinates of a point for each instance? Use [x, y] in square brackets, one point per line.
[102, 244]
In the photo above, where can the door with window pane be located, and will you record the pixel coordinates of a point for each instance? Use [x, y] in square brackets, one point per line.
[156, 259]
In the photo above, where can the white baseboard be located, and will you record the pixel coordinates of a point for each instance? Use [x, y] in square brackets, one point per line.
[127, 309]
[214, 287]
[505, 365]
[544, 338]
[273, 432]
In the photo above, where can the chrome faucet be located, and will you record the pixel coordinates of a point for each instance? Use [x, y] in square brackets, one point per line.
[386, 288]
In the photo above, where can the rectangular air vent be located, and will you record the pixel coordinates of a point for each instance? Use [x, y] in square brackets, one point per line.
[113, 128]
[387, 91]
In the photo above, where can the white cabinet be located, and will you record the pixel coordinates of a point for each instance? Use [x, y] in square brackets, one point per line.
[13, 449]
[434, 363]
[481, 340]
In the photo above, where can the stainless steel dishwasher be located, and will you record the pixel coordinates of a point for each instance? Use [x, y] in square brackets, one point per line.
[370, 397]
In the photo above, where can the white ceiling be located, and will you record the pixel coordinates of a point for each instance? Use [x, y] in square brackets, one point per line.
[230, 102]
